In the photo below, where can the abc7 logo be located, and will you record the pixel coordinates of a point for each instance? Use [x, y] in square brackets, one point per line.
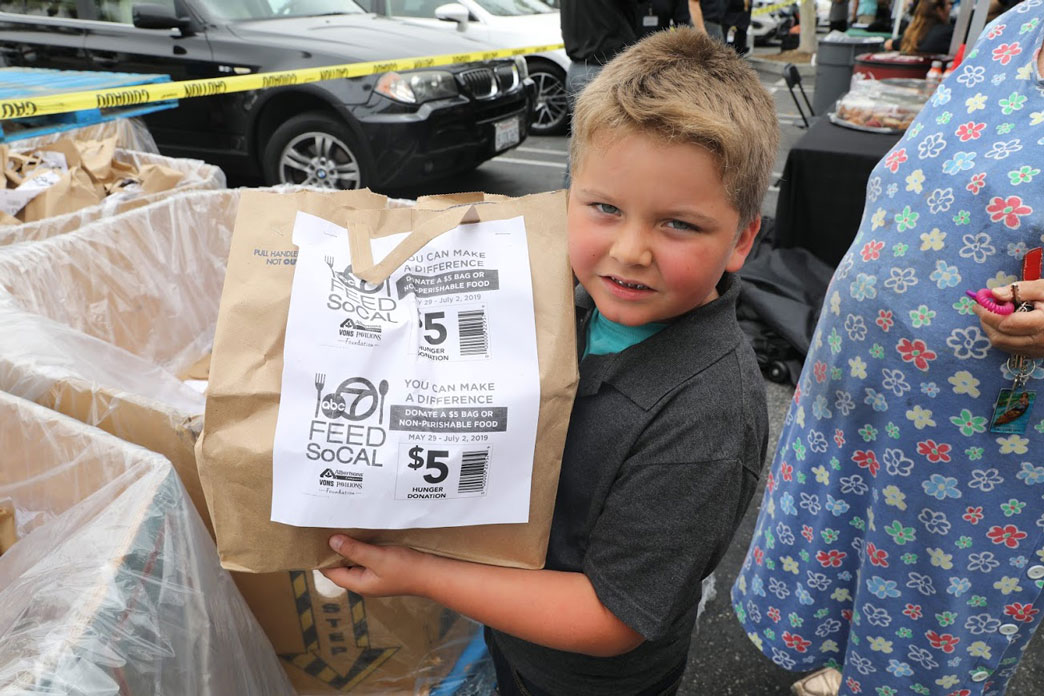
[355, 399]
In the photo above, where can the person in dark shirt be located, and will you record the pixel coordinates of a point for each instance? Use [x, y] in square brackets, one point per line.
[593, 32]
[737, 16]
[655, 15]
[596, 30]
[930, 31]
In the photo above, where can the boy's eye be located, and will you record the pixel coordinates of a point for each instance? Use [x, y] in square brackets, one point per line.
[606, 208]
[681, 225]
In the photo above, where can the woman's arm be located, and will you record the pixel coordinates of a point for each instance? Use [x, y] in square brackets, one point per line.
[551, 608]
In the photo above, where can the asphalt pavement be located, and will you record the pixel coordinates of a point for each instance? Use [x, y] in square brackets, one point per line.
[722, 660]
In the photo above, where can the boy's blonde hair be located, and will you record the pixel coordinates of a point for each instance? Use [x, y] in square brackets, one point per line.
[683, 87]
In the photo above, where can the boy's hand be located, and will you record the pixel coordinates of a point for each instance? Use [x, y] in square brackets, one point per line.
[377, 571]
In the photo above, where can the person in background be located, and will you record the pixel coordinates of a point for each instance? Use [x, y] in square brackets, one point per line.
[593, 32]
[882, 22]
[901, 534]
[930, 30]
[708, 15]
[673, 145]
[737, 19]
[655, 15]
[999, 7]
[865, 12]
[838, 16]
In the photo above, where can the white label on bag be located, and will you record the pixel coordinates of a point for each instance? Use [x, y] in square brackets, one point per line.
[412, 402]
[13, 200]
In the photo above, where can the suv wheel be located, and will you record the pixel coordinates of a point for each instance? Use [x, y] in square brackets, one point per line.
[551, 115]
[315, 149]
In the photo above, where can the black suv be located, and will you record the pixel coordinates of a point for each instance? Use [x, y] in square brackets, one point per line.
[386, 130]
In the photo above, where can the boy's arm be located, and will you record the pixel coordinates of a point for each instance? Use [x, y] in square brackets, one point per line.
[555, 609]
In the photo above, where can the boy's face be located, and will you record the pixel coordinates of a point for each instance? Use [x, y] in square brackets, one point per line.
[650, 228]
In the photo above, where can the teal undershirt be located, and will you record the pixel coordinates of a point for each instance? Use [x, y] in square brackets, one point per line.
[605, 336]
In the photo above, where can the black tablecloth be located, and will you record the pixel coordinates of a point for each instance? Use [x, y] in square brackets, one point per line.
[823, 189]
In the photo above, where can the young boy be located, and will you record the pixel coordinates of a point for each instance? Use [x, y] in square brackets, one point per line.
[672, 147]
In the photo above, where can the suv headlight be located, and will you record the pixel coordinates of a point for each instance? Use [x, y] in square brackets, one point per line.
[418, 87]
[523, 67]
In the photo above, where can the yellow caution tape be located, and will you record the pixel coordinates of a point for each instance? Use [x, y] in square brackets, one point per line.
[772, 8]
[162, 91]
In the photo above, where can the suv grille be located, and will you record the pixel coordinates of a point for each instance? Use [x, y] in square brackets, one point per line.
[507, 76]
[479, 83]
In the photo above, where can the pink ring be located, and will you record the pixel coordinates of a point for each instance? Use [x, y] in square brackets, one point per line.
[985, 298]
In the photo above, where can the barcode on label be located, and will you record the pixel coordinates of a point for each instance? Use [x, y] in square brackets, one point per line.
[474, 335]
[473, 467]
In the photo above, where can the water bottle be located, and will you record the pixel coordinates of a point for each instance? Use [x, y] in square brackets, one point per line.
[935, 75]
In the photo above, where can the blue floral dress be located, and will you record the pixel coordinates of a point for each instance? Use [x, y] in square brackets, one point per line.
[899, 538]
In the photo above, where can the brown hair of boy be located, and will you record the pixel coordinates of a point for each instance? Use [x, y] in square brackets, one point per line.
[683, 87]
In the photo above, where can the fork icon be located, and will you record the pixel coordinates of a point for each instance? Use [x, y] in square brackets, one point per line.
[320, 380]
[329, 261]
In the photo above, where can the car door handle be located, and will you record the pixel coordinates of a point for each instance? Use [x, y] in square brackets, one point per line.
[105, 61]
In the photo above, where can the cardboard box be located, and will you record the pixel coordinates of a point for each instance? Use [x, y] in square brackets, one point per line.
[98, 324]
[114, 584]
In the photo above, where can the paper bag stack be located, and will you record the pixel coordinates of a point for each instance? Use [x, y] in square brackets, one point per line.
[67, 175]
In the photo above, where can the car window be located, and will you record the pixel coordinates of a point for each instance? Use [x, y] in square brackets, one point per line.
[122, 10]
[512, 8]
[414, 8]
[267, 9]
[42, 8]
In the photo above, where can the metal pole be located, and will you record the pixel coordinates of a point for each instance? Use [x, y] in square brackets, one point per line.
[964, 14]
[982, 8]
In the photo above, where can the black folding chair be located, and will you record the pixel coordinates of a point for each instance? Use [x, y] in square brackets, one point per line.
[793, 79]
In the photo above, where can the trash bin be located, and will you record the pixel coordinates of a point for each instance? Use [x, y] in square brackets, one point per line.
[834, 60]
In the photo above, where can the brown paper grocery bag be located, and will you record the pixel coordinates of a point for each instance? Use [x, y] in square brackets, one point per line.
[234, 452]
[96, 157]
[156, 177]
[75, 190]
[17, 166]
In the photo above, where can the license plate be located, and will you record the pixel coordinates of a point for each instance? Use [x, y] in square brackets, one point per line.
[505, 134]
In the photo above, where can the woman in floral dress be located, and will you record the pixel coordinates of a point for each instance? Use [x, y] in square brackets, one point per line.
[901, 536]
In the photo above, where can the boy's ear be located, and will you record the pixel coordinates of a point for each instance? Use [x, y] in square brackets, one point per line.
[744, 243]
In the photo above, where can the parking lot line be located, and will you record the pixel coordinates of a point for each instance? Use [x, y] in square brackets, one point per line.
[540, 150]
[535, 163]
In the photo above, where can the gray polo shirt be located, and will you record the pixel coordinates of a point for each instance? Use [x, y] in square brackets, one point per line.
[665, 446]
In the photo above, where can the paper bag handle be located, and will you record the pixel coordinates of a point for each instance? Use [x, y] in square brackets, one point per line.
[361, 231]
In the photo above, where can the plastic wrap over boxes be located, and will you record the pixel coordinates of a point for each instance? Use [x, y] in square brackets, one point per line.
[112, 584]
